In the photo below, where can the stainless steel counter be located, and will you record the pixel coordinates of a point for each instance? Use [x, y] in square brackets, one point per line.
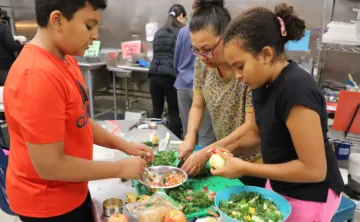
[128, 69]
[88, 66]
[92, 65]
[126, 73]
[110, 188]
[134, 68]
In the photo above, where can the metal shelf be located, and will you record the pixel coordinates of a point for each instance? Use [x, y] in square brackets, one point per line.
[321, 46]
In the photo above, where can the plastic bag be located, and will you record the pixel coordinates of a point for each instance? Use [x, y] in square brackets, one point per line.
[153, 210]
[155, 213]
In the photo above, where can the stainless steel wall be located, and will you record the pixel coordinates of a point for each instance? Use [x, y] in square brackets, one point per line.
[4, 2]
[124, 18]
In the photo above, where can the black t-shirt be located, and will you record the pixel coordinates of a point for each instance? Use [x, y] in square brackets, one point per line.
[272, 104]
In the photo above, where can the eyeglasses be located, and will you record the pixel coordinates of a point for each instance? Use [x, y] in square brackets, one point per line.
[209, 54]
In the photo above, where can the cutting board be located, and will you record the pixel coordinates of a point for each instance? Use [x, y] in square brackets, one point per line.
[346, 107]
[214, 183]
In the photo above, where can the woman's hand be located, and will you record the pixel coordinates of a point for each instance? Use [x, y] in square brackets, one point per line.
[141, 150]
[186, 148]
[196, 162]
[234, 167]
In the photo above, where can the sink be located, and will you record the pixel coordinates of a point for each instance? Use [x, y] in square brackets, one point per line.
[81, 59]
[123, 75]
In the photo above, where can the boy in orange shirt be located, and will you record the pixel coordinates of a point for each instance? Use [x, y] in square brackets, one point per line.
[52, 136]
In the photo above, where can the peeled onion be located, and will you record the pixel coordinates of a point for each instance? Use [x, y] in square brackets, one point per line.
[217, 162]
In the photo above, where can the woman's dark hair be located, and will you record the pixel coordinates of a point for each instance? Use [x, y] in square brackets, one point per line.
[68, 8]
[259, 27]
[1, 12]
[174, 12]
[210, 13]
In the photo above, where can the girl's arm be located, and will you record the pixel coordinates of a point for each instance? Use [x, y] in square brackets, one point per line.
[305, 128]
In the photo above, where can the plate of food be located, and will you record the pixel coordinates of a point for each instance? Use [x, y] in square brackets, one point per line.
[167, 177]
[255, 204]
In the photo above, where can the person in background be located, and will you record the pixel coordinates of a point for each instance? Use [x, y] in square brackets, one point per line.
[8, 48]
[184, 63]
[290, 112]
[162, 74]
[52, 136]
[215, 87]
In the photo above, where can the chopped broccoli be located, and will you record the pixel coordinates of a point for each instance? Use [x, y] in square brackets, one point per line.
[191, 201]
[164, 158]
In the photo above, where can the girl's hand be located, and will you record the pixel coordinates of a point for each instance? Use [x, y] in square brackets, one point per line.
[234, 167]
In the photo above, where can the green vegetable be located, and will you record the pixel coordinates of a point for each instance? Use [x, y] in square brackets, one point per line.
[149, 144]
[164, 158]
[191, 201]
[251, 207]
[203, 174]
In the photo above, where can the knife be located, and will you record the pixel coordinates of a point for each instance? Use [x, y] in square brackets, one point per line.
[180, 163]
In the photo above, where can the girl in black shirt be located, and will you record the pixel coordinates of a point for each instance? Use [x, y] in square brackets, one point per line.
[290, 114]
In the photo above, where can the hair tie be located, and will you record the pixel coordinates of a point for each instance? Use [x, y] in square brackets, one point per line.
[172, 13]
[282, 27]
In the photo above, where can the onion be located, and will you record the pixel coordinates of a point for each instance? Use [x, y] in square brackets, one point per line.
[217, 162]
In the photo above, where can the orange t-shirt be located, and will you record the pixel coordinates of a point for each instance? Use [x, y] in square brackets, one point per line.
[45, 102]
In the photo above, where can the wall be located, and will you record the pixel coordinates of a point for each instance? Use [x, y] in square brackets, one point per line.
[5, 3]
[120, 21]
[123, 18]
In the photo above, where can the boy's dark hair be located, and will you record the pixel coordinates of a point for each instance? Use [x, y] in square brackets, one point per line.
[68, 8]
[174, 12]
[259, 27]
[210, 13]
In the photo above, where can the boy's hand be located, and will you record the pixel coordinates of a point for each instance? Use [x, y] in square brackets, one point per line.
[131, 168]
[141, 150]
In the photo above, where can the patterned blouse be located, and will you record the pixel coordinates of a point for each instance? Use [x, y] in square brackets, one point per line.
[227, 99]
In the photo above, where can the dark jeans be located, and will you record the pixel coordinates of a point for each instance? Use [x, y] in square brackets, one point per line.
[162, 87]
[3, 76]
[253, 181]
[81, 214]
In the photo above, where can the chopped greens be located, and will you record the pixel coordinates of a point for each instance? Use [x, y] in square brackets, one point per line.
[251, 207]
[203, 174]
[164, 158]
[191, 201]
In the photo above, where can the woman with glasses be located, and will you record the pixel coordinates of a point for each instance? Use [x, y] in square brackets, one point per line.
[184, 63]
[215, 87]
[162, 74]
